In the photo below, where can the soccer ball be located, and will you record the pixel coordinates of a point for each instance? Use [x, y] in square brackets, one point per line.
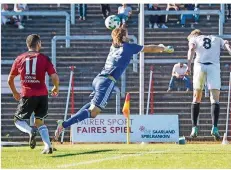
[112, 22]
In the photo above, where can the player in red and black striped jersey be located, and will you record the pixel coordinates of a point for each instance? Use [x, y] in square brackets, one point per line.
[32, 67]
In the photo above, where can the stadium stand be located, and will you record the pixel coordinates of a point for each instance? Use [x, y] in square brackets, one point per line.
[89, 56]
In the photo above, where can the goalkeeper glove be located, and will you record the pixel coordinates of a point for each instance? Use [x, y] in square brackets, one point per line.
[168, 49]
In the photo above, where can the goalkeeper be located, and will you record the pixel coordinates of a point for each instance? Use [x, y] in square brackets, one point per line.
[117, 61]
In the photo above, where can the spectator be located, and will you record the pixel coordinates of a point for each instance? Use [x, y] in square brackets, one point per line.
[229, 11]
[10, 19]
[190, 7]
[5, 19]
[124, 12]
[105, 10]
[149, 6]
[209, 8]
[82, 11]
[138, 7]
[173, 7]
[21, 8]
[179, 72]
[156, 20]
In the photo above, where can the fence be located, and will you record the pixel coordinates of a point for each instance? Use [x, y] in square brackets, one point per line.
[42, 13]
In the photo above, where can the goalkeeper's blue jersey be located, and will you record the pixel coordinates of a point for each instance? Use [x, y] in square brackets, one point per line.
[119, 58]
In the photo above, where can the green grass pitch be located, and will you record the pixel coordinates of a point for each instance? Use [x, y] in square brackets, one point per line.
[100, 156]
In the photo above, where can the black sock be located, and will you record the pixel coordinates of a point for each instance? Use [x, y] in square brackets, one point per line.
[215, 111]
[195, 108]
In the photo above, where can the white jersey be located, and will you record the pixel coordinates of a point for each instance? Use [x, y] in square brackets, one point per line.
[179, 70]
[208, 48]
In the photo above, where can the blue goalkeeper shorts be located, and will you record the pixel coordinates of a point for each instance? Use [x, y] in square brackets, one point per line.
[102, 90]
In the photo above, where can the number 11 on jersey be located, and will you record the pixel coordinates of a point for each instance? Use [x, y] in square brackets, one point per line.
[34, 62]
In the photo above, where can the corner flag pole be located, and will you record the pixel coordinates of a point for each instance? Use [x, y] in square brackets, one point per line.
[126, 112]
[128, 129]
[68, 98]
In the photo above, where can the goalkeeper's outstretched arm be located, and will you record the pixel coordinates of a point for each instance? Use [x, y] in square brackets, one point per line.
[157, 49]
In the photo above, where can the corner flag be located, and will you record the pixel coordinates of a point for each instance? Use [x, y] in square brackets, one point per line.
[126, 112]
[126, 108]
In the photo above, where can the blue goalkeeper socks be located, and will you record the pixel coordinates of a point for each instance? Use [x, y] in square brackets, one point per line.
[82, 114]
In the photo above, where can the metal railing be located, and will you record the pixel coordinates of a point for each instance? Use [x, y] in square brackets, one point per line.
[94, 37]
[225, 36]
[72, 13]
[45, 13]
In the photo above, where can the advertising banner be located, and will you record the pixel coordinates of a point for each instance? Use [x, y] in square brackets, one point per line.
[112, 128]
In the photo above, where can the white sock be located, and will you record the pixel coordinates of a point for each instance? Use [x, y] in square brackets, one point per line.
[45, 136]
[23, 126]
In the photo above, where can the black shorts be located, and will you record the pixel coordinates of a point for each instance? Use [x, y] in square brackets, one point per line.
[28, 105]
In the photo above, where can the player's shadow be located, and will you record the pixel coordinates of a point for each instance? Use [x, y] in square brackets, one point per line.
[83, 153]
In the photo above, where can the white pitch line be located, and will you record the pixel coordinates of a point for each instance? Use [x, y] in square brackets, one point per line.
[106, 159]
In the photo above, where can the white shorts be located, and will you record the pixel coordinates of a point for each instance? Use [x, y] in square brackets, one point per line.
[206, 74]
